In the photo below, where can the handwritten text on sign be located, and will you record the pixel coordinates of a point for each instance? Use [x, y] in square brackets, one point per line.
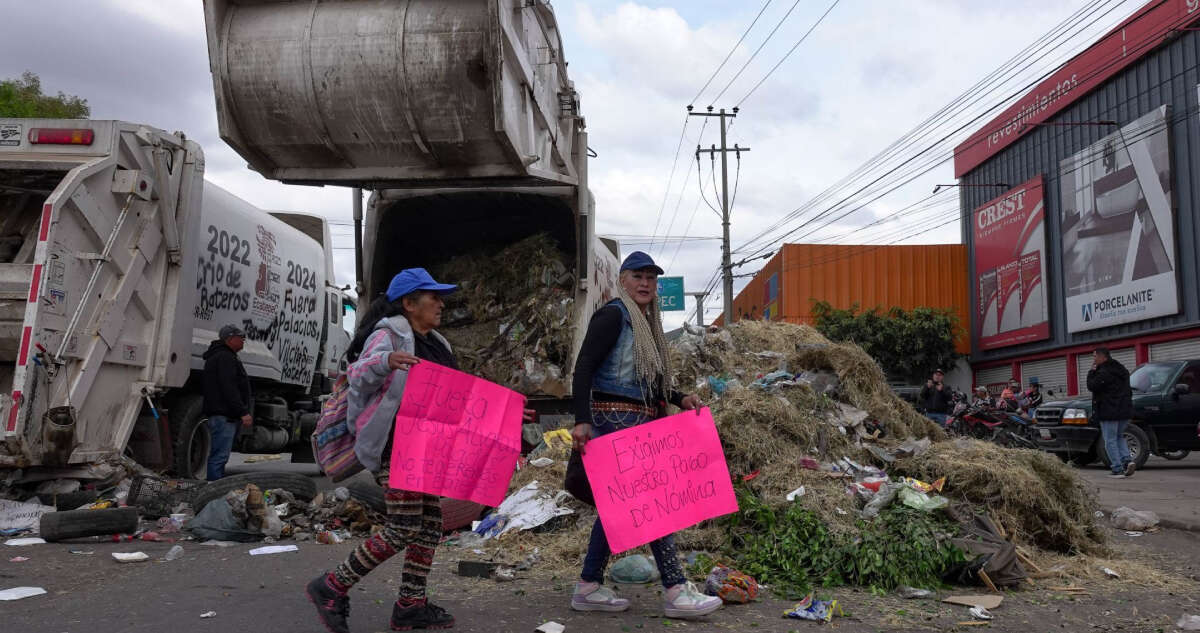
[456, 435]
[658, 478]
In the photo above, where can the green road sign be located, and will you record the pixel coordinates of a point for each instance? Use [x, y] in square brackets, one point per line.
[670, 294]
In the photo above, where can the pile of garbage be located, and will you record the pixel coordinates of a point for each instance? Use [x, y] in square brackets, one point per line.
[511, 321]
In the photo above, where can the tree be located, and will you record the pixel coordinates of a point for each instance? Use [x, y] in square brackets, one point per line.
[23, 98]
[906, 344]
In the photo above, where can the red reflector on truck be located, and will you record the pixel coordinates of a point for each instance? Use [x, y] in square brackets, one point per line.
[12, 413]
[53, 136]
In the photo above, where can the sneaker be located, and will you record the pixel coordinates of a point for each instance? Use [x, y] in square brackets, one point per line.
[685, 601]
[592, 596]
[423, 616]
[1130, 468]
[333, 608]
[1116, 475]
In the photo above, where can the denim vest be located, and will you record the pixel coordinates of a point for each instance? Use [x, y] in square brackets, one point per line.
[617, 375]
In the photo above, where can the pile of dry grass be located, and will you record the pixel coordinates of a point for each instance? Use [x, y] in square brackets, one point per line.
[1032, 494]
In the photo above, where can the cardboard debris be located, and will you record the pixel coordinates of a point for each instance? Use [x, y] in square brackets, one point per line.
[984, 601]
[17, 516]
[17, 593]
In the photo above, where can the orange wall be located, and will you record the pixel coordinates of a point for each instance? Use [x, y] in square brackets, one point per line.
[905, 276]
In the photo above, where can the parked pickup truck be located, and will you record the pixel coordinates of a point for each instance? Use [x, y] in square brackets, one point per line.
[1166, 409]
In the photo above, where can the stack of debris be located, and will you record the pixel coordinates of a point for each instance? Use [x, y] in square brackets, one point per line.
[512, 321]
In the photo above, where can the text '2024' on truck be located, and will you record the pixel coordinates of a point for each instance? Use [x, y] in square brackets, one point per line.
[118, 264]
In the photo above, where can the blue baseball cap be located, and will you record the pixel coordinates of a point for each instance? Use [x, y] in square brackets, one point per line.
[638, 260]
[414, 279]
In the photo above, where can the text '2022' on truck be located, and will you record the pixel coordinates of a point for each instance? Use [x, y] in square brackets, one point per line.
[118, 265]
[1166, 412]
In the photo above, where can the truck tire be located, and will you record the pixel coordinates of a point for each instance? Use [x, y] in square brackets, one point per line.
[191, 440]
[1139, 446]
[303, 487]
[58, 526]
[1175, 455]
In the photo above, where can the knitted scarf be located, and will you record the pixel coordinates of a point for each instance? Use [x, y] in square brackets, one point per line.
[649, 345]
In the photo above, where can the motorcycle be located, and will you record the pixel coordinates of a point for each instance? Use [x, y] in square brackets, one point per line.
[983, 422]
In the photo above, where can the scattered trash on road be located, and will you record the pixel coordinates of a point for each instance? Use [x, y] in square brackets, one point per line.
[175, 552]
[795, 494]
[130, 557]
[912, 592]
[79, 552]
[1189, 622]
[1134, 533]
[1124, 518]
[814, 610]
[208, 614]
[274, 549]
[634, 569]
[979, 613]
[18, 559]
[1110, 573]
[16, 593]
[17, 516]
[550, 627]
[21, 542]
[983, 601]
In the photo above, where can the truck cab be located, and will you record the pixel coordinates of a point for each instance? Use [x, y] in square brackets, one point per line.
[1166, 410]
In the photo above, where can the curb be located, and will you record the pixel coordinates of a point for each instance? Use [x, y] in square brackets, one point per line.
[1169, 524]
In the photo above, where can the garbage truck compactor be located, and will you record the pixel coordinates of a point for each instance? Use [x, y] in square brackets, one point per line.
[118, 265]
[457, 114]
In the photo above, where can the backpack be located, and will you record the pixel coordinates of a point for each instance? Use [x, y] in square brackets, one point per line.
[332, 442]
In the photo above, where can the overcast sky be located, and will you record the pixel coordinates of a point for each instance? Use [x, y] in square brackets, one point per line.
[868, 74]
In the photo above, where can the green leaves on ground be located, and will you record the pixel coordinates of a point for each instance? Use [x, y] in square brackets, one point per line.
[792, 550]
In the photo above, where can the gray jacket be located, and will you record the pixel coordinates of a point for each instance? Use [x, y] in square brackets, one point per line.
[370, 405]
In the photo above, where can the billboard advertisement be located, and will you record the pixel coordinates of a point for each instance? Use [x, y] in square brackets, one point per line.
[1010, 266]
[1118, 227]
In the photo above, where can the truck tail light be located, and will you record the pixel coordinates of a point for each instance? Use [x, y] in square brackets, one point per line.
[55, 136]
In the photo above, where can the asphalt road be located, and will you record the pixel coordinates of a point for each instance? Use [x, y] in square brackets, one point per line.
[1169, 489]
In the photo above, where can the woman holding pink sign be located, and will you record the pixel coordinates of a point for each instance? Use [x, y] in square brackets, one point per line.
[623, 379]
[395, 333]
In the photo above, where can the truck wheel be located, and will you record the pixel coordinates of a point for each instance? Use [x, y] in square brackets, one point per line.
[1139, 446]
[191, 440]
[57, 526]
[303, 487]
[1175, 455]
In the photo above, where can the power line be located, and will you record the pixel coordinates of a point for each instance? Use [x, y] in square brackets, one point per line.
[731, 51]
[674, 163]
[792, 50]
[756, 52]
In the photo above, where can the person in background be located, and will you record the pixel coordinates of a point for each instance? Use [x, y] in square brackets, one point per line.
[935, 398]
[1112, 408]
[1008, 397]
[983, 398]
[623, 379]
[396, 332]
[226, 396]
[1032, 399]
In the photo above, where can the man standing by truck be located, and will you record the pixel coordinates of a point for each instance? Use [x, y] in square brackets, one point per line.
[226, 396]
[1112, 408]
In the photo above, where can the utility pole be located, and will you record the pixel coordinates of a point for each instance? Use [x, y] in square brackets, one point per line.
[726, 266]
[699, 306]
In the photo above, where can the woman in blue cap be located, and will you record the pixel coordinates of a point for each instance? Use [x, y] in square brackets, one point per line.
[622, 379]
[396, 332]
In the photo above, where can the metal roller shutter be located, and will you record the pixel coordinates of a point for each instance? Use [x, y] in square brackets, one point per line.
[1185, 349]
[1127, 356]
[1051, 374]
[994, 376]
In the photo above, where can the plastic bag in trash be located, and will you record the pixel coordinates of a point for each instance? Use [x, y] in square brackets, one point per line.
[815, 610]
[882, 499]
[634, 569]
[731, 585]
[216, 522]
[1189, 622]
[1129, 519]
[921, 501]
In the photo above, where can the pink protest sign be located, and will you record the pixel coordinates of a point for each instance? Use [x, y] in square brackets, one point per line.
[456, 435]
[658, 478]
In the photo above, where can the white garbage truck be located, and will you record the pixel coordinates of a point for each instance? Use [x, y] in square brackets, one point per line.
[118, 265]
[457, 114]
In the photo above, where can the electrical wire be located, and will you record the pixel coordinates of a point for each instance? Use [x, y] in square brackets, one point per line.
[789, 53]
[731, 51]
[756, 52]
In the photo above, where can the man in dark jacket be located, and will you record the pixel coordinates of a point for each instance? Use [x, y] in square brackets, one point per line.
[1112, 408]
[935, 398]
[226, 396]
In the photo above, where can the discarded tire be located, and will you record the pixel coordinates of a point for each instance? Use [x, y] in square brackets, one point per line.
[367, 493]
[58, 526]
[303, 487]
[72, 500]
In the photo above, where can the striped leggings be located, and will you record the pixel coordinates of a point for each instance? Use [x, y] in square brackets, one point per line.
[414, 525]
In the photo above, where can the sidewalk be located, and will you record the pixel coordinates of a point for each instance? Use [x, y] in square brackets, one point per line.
[1169, 489]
